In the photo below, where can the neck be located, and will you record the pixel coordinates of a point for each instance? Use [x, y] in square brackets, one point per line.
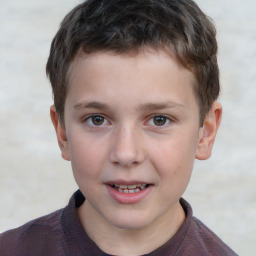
[119, 241]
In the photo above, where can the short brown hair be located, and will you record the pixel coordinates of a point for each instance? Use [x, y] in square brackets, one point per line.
[123, 26]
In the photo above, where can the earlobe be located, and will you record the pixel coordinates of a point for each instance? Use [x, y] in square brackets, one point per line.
[208, 132]
[61, 134]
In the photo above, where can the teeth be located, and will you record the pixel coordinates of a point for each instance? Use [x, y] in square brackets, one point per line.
[129, 188]
[132, 186]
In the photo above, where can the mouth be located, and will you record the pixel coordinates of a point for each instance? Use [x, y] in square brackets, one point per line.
[129, 189]
[128, 192]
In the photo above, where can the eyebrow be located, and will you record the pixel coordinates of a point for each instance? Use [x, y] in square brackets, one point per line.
[141, 108]
[158, 106]
[92, 104]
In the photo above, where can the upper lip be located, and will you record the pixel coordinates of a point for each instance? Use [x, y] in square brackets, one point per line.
[126, 182]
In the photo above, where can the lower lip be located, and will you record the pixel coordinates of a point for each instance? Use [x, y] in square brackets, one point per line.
[128, 198]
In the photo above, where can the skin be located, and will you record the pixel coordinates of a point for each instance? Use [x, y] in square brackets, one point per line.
[146, 130]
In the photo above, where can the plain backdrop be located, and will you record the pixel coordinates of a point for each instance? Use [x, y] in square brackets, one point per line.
[34, 180]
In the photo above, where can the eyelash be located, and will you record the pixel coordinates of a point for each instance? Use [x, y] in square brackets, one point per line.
[89, 121]
[167, 122]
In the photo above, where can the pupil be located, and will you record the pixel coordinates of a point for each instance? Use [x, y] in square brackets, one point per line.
[159, 120]
[97, 120]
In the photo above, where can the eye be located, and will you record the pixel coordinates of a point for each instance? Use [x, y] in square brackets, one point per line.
[96, 120]
[159, 120]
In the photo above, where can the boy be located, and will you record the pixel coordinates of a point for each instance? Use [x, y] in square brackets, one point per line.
[135, 85]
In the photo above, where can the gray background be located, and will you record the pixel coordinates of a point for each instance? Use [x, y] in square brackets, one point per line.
[34, 180]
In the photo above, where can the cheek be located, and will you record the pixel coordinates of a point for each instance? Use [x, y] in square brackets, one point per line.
[174, 171]
[174, 160]
[86, 159]
[177, 152]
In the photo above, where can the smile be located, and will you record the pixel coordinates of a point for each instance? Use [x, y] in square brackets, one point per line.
[129, 193]
[129, 188]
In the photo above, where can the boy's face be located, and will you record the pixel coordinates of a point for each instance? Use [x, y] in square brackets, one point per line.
[131, 120]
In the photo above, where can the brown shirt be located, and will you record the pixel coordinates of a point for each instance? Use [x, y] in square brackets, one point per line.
[61, 234]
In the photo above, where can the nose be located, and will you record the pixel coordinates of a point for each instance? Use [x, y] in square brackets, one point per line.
[127, 148]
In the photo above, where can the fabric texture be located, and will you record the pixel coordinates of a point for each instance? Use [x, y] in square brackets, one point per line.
[61, 234]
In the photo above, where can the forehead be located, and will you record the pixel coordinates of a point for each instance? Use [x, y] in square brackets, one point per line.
[147, 72]
[139, 57]
[144, 52]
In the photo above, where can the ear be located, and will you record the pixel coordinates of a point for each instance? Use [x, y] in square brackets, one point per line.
[208, 132]
[61, 134]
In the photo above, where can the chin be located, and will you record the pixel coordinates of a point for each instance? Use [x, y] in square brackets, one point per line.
[131, 221]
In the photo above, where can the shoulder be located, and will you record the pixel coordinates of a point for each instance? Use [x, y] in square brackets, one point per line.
[207, 241]
[198, 239]
[32, 236]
